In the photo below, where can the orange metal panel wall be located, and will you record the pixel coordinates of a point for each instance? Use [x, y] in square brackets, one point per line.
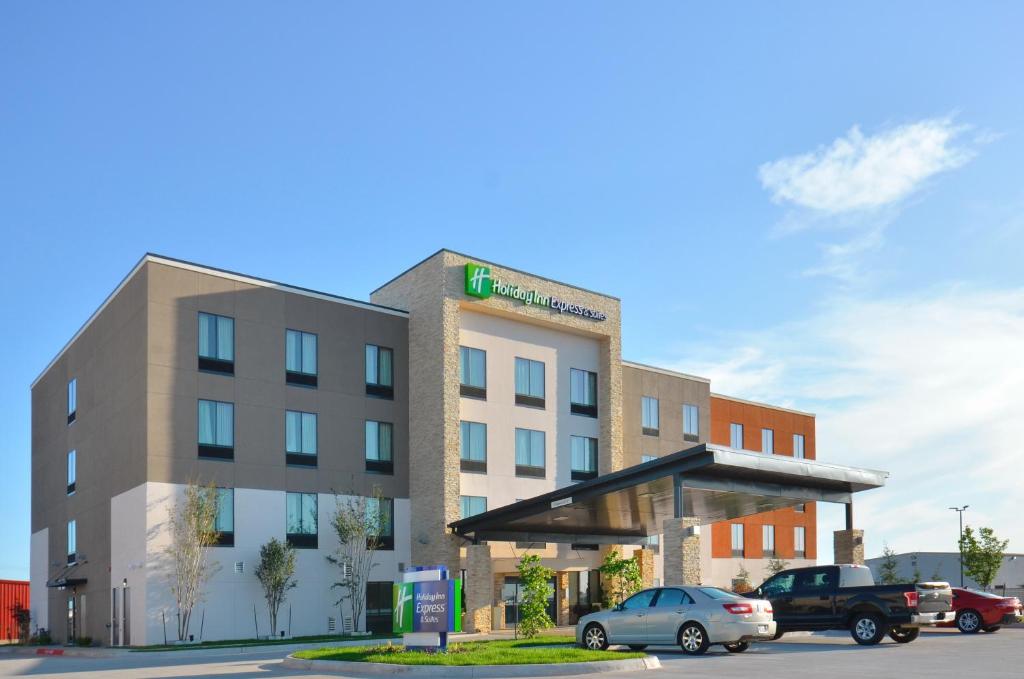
[11, 592]
[784, 423]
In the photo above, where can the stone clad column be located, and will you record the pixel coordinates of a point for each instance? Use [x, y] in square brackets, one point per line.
[479, 588]
[681, 545]
[848, 546]
[645, 560]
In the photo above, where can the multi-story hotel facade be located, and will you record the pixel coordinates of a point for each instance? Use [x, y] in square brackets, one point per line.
[459, 387]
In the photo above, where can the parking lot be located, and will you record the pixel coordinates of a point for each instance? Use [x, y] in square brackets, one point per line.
[938, 653]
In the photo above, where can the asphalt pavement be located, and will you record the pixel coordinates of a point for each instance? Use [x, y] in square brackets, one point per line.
[937, 653]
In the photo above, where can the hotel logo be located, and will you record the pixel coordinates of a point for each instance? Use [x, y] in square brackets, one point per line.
[478, 280]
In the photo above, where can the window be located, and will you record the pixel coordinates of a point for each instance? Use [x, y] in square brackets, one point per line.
[778, 586]
[224, 520]
[691, 422]
[736, 436]
[799, 547]
[379, 367]
[72, 400]
[300, 438]
[639, 600]
[473, 372]
[584, 457]
[379, 447]
[800, 508]
[648, 458]
[378, 607]
[471, 505]
[529, 453]
[72, 540]
[767, 441]
[798, 446]
[768, 540]
[381, 510]
[216, 343]
[529, 383]
[814, 581]
[71, 471]
[649, 406]
[582, 392]
[673, 597]
[473, 446]
[216, 430]
[300, 523]
[300, 358]
[737, 539]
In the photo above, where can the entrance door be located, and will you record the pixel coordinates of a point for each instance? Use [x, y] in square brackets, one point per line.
[510, 593]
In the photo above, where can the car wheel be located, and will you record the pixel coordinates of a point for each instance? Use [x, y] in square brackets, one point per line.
[904, 635]
[693, 639]
[778, 635]
[866, 629]
[637, 647]
[594, 637]
[738, 647]
[968, 621]
[993, 628]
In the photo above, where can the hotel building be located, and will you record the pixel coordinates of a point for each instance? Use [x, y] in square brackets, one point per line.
[459, 387]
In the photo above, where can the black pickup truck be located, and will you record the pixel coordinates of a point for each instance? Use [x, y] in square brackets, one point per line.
[846, 597]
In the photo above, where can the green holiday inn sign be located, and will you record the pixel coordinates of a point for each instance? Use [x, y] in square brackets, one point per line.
[480, 283]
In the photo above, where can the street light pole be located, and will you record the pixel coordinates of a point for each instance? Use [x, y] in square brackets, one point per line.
[960, 511]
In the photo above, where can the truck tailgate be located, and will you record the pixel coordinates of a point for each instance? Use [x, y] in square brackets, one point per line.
[934, 597]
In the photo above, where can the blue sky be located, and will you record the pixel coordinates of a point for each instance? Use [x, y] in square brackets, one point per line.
[817, 205]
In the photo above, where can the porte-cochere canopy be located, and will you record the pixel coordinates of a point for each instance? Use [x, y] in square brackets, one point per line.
[707, 482]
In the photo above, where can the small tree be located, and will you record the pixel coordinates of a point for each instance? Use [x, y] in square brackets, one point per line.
[22, 618]
[741, 583]
[982, 555]
[359, 522]
[276, 573]
[623, 577]
[776, 566]
[533, 603]
[888, 570]
[192, 531]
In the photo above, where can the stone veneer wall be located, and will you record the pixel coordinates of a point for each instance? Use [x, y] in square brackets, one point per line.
[682, 552]
[848, 546]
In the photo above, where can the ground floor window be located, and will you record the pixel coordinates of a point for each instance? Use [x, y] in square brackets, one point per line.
[378, 606]
[584, 593]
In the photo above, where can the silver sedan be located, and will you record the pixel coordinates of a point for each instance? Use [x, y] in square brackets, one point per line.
[693, 618]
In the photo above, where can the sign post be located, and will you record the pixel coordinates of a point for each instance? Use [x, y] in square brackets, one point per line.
[427, 605]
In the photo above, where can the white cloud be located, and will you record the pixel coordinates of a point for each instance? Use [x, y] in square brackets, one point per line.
[928, 387]
[857, 172]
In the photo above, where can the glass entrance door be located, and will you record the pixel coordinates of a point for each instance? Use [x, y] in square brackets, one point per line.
[510, 593]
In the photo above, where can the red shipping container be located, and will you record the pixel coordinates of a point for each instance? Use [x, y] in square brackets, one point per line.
[12, 592]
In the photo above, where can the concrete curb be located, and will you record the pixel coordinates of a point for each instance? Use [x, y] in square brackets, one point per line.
[365, 669]
[69, 652]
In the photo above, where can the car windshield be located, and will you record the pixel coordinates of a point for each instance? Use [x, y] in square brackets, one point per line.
[716, 593]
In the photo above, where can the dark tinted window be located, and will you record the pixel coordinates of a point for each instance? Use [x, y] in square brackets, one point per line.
[640, 600]
[779, 585]
[814, 580]
[673, 597]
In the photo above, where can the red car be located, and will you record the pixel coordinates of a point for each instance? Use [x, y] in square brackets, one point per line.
[982, 611]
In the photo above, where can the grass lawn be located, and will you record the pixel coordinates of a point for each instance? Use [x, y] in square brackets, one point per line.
[542, 650]
[235, 643]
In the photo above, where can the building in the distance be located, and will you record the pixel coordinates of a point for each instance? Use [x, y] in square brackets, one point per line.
[945, 566]
[459, 387]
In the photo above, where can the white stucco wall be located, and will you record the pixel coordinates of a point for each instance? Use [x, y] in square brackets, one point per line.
[504, 340]
[39, 559]
[230, 596]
